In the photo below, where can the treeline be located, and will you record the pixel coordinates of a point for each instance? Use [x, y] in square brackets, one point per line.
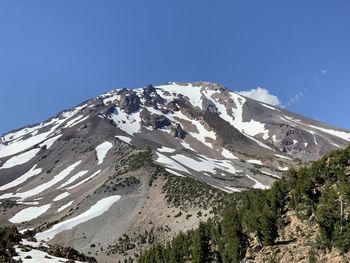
[318, 193]
[9, 237]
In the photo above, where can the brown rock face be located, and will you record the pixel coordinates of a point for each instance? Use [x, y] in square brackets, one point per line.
[208, 105]
[129, 102]
[151, 96]
[178, 132]
[154, 120]
[172, 105]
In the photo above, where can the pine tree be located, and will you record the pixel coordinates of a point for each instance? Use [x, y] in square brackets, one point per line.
[200, 252]
[234, 241]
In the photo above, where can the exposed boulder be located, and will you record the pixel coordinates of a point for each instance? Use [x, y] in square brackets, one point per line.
[149, 89]
[154, 120]
[151, 96]
[172, 105]
[208, 105]
[110, 111]
[187, 108]
[8, 203]
[67, 252]
[287, 141]
[165, 110]
[129, 102]
[29, 235]
[177, 131]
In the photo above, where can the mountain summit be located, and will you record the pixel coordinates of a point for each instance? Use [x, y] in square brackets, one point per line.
[132, 161]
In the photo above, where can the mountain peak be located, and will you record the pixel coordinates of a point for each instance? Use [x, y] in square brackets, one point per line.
[130, 149]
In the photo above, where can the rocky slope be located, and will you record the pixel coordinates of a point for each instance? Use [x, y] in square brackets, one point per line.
[304, 217]
[98, 175]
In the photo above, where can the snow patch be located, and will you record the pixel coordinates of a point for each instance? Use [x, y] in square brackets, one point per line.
[61, 196]
[192, 92]
[232, 189]
[111, 99]
[32, 172]
[29, 214]
[268, 106]
[282, 156]
[130, 123]
[72, 121]
[84, 181]
[49, 142]
[173, 172]
[124, 138]
[102, 151]
[273, 175]
[28, 203]
[170, 163]
[166, 149]
[44, 186]
[73, 178]
[64, 206]
[187, 145]
[341, 134]
[257, 184]
[20, 159]
[251, 127]
[37, 256]
[227, 154]
[78, 121]
[22, 145]
[254, 162]
[205, 164]
[96, 210]
[283, 168]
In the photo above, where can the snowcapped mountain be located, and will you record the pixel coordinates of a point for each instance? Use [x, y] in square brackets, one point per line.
[82, 178]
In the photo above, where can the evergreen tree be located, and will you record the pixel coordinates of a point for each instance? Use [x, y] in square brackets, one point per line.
[327, 215]
[268, 227]
[234, 240]
[200, 252]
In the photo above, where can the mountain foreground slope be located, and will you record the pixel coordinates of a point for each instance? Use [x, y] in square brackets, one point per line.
[304, 217]
[131, 168]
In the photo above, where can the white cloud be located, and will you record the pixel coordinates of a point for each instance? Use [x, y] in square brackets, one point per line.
[294, 99]
[262, 95]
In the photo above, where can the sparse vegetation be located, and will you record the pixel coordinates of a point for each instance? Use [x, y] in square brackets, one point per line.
[321, 190]
[127, 243]
[185, 192]
[8, 203]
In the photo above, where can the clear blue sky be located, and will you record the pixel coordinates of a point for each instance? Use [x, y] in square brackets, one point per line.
[55, 54]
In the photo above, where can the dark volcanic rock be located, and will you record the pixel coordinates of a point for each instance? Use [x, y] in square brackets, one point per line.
[151, 96]
[149, 89]
[208, 105]
[178, 132]
[110, 111]
[154, 120]
[67, 252]
[129, 102]
[8, 203]
[29, 235]
[172, 105]
[287, 141]
[227, 134]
